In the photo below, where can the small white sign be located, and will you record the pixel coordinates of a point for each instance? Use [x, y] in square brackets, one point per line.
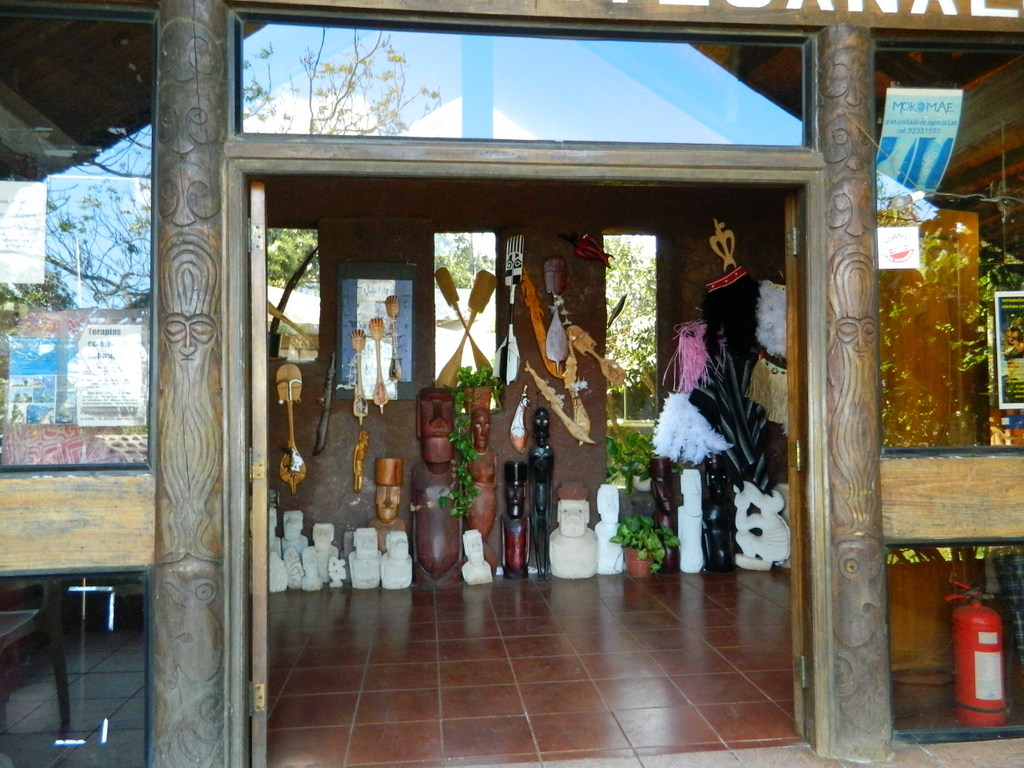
[22, 231]
[111, 376]
[899, 248]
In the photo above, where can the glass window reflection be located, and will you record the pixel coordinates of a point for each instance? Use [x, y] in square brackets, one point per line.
[361, 82]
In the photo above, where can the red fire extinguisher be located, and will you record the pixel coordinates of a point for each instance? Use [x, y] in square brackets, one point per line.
[978, 662]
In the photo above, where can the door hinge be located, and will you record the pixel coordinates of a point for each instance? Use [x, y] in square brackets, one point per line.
[793, 242]
[801, 671]
[257, 466]
[256, 237]
[259, 698]
[796, 454]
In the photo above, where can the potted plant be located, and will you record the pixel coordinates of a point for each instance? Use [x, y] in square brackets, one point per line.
[475, 387]
[629, 457]
[644, 543]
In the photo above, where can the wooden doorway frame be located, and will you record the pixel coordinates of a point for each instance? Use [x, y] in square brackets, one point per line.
[799, 171]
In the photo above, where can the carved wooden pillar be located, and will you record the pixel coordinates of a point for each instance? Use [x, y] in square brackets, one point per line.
[860, 727]
[190, 680]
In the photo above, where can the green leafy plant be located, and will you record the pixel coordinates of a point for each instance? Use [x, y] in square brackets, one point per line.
[461, 437]
[639, 532]
[628, 458]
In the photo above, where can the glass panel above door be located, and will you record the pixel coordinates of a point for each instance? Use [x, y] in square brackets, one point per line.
[368, 82]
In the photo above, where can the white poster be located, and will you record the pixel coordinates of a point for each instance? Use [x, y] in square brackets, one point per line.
[899, 248]
[22, 231]
[110, 373]
[918, 135]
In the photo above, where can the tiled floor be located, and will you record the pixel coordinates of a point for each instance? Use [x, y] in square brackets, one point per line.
[106, 682]
[523, 671]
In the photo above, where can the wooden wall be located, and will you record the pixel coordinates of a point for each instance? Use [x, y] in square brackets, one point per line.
[74, 522]
[394, 221]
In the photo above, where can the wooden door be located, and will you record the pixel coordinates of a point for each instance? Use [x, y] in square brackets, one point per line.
[800, 576]
[258, 474]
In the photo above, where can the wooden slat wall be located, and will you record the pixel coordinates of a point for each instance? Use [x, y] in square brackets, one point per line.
[72, 522]
[946, 499]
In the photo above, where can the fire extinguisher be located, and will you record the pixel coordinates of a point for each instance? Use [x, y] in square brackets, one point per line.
[978, 661]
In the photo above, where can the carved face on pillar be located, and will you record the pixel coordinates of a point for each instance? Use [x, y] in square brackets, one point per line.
[481, 429]
[541, 425]
[434, 422]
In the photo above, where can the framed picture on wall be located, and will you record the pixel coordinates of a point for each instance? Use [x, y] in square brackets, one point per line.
[375, 300]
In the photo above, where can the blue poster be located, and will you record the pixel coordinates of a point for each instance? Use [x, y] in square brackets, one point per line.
[918, 135]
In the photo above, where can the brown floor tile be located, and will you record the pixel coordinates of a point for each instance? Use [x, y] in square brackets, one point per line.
[389, 677]
[323, 680]
[545, 669]
[481, 701]
[606, 666]
[326, 656]
[392, 652]
[529, 626]
[464, 628]
[307, 746]
[718, 688]
[385, 744]
[573, 732]
[311, 710]
[471, 648]
[648, 620]
[397, 706]
[538, 645]
[776, 684]
[480, 736]
[751, 659]
[626, 693]
[677, 727]
[617, 641]
[693, 661]
[671, 639]
[748, 721]
[548, 698]
[485, 672]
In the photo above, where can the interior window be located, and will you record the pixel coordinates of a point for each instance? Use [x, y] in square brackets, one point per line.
[293, 293]
[632, 325]
[464, 312]
[372, 82]
[951, 248]
[75, 242]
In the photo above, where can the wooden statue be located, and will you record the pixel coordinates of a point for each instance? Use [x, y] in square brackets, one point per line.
[484, 469]
[542, 462]
[516, 523]
[358, 459]
[437, 535]
[660, 469]
[387, 474]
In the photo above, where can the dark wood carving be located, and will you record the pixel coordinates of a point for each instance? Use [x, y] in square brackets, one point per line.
[862, 721]
[189, 690]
